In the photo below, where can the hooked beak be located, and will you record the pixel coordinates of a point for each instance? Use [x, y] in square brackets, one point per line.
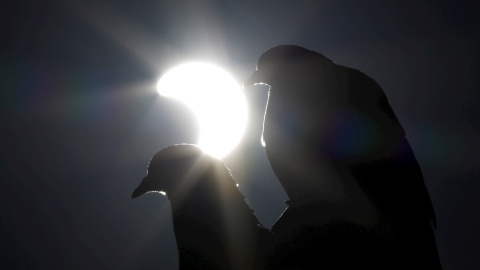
[255, 78]
[141, 189]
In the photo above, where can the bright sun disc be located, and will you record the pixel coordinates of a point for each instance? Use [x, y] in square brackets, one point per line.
[215, 98]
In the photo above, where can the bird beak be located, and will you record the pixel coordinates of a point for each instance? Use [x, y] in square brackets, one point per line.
[141, 189]
[255, 78]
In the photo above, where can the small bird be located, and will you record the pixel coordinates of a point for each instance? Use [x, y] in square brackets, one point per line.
[339, 151]
[214, 226]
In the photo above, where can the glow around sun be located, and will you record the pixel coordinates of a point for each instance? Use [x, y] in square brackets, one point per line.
[215, 98]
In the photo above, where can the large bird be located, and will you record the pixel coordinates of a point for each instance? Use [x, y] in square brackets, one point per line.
[214, 226]
[336, 146]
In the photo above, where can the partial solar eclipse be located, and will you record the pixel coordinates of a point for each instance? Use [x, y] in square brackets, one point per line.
[216, 100]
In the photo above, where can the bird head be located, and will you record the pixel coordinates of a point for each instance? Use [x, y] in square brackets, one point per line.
[172, 167]
[283, 63]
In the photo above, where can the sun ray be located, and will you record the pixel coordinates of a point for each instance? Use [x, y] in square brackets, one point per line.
[216, 99]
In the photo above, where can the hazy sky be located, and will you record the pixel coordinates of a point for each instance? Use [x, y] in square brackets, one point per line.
[80, 117]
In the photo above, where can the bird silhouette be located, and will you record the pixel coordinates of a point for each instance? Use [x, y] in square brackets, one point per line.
[214, 226]
[356, 191]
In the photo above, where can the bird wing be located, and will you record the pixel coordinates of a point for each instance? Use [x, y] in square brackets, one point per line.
[408, 183]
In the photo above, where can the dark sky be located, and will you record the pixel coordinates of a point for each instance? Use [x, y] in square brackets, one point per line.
[80, 118]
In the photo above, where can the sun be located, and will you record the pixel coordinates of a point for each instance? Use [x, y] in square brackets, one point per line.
[216, 100]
